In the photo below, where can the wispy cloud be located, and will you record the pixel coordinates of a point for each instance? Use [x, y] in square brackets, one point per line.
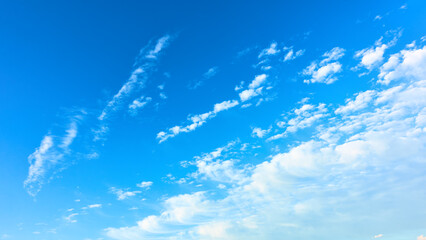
[52, 150]
[196, 121]
[145, 184]
[138, 104]
[291, 54]
[271, 50]
[71, 218]
[97, 205]
[143, 66]
[161, 44]
[123, 194]
[211, 72]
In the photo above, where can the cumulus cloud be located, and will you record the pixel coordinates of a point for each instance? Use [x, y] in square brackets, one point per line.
[249, 94]
[325, 70]
[408, 63]
[372, 56]
[196, 120]
[260, 133]
[258, 80]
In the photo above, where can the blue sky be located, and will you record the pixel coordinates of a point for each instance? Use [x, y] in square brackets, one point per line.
[213, 120]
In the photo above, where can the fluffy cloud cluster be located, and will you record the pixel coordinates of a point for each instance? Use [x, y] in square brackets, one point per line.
[408, 63]
[371, 146]
[302, 117]
[371, 57]
[325, 71]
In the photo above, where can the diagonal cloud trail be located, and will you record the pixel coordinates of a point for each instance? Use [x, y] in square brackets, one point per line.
[144, 64]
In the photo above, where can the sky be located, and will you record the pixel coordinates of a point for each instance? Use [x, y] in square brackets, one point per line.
[206, 120]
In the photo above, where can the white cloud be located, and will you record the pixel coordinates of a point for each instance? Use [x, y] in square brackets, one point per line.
[254, 88]
[303, 117]
[225, 105]
[361, 101]
[143, 65]
[378, 236]
[260, 133]
[161, 43]
[163, 95]
[5, 236]
[123, 194]
[272, 50]
[145, 184]
[291, 55]
[197, 120]
[326, 69]
[372, 56]
[135, 78]
[211, 167]
[258, 81]
[97, 205]
[210, 73]
[333, 55]
[47, 156]
[408, 63]
[375, 155]
[71, 218]
[249, 94]
[182, 210]
[138, 103]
